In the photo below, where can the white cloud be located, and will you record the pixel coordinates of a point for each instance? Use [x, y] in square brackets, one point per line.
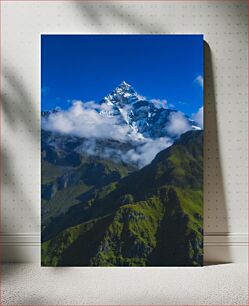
[85, 120]
[88, 146]
[178, 124]
[199, 80]
[198, 117]
[144, 154]
[159, 103]
[140, 155]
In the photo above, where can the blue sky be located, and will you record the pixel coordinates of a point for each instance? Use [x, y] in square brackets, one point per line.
[88, 67]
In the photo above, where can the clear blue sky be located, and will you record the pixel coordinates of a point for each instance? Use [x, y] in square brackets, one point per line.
[88, 67]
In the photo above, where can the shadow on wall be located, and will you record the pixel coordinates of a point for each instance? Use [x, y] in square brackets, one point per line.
[95, 13]
[214, 194]
[19, 115]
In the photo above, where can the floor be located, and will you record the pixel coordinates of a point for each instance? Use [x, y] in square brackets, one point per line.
[27, 284]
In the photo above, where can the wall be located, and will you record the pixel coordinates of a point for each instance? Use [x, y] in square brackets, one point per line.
[224, 24]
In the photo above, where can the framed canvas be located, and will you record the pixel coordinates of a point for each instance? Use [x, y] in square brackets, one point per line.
[122, 150]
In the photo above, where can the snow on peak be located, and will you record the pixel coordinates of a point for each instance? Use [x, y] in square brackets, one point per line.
[122, 95]
[144, 118]
[124, 88]
[123, 83]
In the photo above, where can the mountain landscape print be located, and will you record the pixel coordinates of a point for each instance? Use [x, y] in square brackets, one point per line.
[122, 150]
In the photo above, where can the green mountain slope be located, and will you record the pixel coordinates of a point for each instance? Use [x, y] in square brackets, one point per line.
[73, 179]
[78, 188]
[151, 217]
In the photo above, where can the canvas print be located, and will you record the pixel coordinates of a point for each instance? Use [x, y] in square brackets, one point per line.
[122, 150]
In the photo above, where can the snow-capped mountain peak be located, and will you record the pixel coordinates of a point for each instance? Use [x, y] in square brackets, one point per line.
[123, 94]
[143, 117]
[124, 85]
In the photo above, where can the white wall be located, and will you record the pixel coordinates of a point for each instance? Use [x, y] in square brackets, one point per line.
[224, 24]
